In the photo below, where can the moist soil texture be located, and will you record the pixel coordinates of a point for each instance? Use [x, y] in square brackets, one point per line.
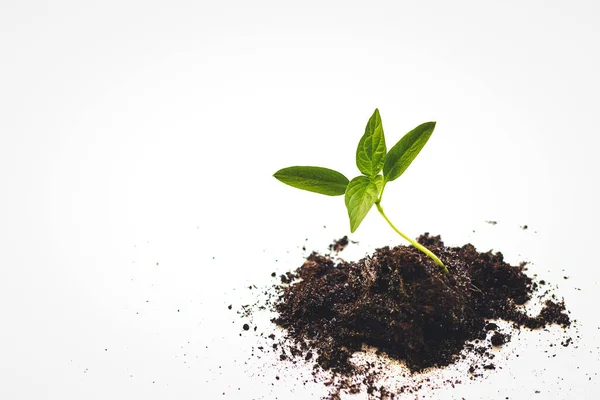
[400, 303]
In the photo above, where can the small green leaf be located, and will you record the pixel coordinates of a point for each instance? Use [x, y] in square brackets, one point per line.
[371, 148]
[314, 179]
[361, 194]
[404, 152]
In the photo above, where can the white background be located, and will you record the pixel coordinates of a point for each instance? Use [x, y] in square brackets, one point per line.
[138, 140]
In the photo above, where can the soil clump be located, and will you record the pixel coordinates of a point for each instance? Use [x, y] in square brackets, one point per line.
[399, 302]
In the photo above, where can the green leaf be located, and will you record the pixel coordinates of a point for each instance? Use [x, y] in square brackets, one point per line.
[314, 179]
[361, 194]
[404, 152]
[371, 148]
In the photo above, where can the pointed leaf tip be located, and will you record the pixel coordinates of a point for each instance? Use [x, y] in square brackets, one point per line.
[362, 192]
[314, 179]
[406, 150]
[371, 149]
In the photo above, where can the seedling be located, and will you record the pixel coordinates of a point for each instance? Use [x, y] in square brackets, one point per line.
[366, 190]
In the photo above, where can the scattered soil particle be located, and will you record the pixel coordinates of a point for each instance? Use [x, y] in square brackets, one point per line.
[401, 303]
[566, 342]
[246, 327]
[339, 244]
[491, 327]
[492, 222]
[498, 339]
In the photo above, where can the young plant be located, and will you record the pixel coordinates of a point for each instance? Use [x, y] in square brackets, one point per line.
[366, 189]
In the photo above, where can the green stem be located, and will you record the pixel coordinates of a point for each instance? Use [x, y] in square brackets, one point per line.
[413, 242]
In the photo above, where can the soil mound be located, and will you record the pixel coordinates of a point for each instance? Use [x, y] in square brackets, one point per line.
[399, 302]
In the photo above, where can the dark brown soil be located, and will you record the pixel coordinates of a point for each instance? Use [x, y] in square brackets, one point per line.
[399, 302]
[339, 244]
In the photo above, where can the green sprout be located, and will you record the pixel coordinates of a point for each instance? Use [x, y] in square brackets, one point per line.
[366, 189]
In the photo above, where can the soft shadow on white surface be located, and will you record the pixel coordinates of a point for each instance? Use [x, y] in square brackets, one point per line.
[137, 144]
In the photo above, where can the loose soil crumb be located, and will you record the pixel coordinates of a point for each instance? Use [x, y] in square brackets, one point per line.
[498, 339]
[339, 244]
[400, 304]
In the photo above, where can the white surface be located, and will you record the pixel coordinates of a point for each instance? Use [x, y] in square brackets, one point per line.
[138, 139]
